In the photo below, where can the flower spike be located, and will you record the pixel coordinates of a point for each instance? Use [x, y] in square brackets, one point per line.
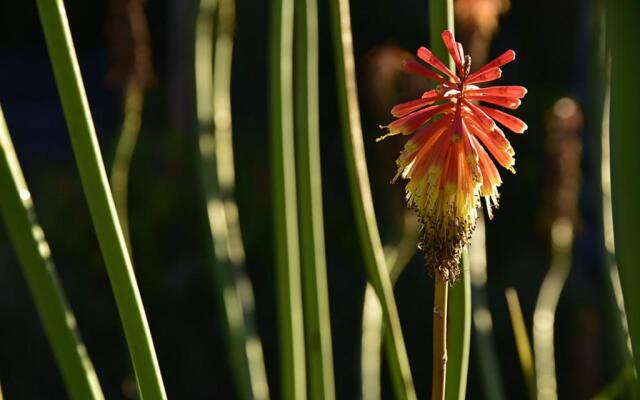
[448, 159]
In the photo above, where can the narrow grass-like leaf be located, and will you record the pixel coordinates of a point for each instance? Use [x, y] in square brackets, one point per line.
[213, 107]
[48, 295]
[291, 325]
[623, 353]
[94, 180]
[622, 29]
[369, 236]
[483, 338]
[119, 177]
[459, 333]
[523, 344]
[314, 269]
[397, 258]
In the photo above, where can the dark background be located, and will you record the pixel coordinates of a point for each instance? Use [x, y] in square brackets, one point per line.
[556, 46]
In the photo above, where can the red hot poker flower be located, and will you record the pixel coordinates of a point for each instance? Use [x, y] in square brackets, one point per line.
[447, 159]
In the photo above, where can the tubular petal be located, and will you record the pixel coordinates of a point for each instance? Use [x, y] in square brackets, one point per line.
[487, 76]
[500, 91]
[403, 109]
[477, 115]
[427, 56]
[503, 154]
[514, 124]
[413, 121]
[452, 47]
[416, 68]
[499, 61]
[507, 102]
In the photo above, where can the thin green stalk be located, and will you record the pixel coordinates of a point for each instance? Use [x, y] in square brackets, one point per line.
[362, 200]
[546, 305]
[96, 188]
[459, 315]
[622, 28]
[314, 268]
[119, 179]
[397, 257]
[291, 325]
[213, 86]
[523, 344]
[35, 257]
[623, 341]
[459, 333]
[483, 338]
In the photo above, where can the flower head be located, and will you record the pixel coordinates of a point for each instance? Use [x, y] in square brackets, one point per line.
[447, 159]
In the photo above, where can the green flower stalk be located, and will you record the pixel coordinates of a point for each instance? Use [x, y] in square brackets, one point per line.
[94, 181]
[375, 263]
[34, 255]
[314, 270]
[289, 301]
[622, 28]
[213, 86]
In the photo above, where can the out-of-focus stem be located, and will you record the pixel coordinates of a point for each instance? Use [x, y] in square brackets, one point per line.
[132, 121]
[213, 85]
[523, 344]
[397, 258]
[439, 365]
[622, 26]
[624, 340]
[564, 124]
[94, 181]
[544, 314]
[459, 333]
[314, 268]
[441, 17]
[484, 344]
[362, 200]
[292, 342]
[48, 295]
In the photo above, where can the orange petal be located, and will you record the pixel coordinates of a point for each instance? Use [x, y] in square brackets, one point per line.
[403, 109]
[409, 123]
[452, 46]
[486, 76]
[479, 116]
[507, 102]
[427, 56]
[499, 61]
[514, 124]
[413, 67]
[497, 145]
[501, 91]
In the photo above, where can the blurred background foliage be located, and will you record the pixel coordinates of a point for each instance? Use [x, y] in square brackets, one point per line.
[556, 43]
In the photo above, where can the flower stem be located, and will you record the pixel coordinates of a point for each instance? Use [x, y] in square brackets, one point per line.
[33, 252]
[213, 81]
[439, 365]
[119, 178]
[375, 263]
[441, 18]
[292, 346]
[314, 269]
[523, 344]
[94, 180]
[483, 337]
[622, 123]
[397, 257]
